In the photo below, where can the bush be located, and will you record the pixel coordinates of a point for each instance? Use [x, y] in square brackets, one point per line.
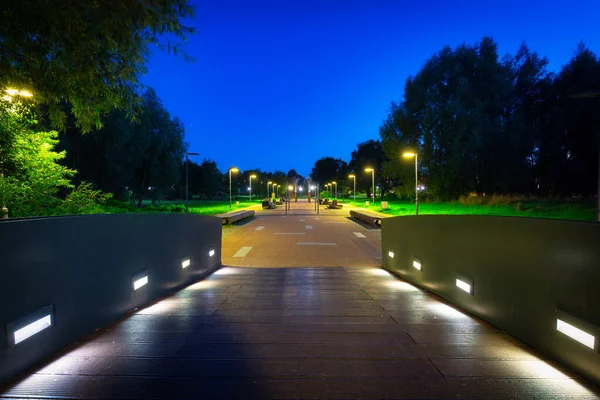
[84, 200]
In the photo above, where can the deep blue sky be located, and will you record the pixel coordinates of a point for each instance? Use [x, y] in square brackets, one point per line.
[280, 84]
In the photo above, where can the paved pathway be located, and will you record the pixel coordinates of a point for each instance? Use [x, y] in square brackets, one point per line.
[311, 333]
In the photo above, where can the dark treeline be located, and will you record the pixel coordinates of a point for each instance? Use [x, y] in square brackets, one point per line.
[486, 124]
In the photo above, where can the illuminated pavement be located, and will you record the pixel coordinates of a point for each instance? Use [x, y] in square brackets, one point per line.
[311, 333]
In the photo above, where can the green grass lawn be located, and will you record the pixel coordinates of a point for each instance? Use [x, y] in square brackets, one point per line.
[208, 207]
[580, 210]
[572, 210]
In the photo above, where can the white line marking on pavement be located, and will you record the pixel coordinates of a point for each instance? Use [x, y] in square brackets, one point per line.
[334, 222]
[300, 220]
[360, 235]
[308, 226]
[289, 233]
[316, 244]
[242, 252]
[259, 228]
[317, 218]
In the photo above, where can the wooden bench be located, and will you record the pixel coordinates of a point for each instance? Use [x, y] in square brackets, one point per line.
[235, 216]
[369, 217]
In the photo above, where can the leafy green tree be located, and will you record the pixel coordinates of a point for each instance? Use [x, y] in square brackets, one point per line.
[88, 53]
[473, 118]
[31, 175]
[328, 169]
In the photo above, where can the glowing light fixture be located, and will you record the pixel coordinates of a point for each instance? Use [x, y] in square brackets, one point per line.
[417, 264]
[12, 92]
[463, 285]
[211, 253]
[138, 283]
[25, 93]
[391, 254]
[575, 333]
[33, 328]
[185, 263]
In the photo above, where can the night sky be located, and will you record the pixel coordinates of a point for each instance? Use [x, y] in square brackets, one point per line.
[280, 84]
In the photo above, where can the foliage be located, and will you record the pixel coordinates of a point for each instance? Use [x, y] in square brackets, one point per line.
[31, 174]
[486, 124]
[144, 157]
[368, 154]
[329, 169]
[84, 199]
[89, 53]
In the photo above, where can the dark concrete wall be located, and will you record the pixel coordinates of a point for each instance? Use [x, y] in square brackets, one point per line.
[526, 272]
[83, 267]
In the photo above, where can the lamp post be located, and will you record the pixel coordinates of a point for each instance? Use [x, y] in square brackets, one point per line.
[232, 169]
[372, 171]
[354, 191]
[415, 155]
[250, 187]
[335, 184]
[187, 163]
[268, 189]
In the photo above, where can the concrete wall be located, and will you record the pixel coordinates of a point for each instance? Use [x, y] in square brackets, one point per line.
[82, 267]
[525, 273]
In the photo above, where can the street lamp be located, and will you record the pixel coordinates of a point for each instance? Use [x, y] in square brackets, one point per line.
[232, 169]
[335, 183]
[416, 179]
[187, 163]
[372, 171]
[268, 191]
[250, 187]
[276, 190]
[353, 176]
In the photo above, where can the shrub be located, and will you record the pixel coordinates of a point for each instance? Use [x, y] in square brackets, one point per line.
[84, 200]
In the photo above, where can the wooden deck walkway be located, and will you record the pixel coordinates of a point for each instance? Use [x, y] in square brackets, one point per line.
[310, 333]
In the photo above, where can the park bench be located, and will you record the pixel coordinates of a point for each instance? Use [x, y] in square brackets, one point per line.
[334, 205]
[369, 217]
[235, 216]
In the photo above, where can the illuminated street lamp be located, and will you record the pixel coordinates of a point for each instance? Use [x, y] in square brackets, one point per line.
[416, 180]
[372, 171]
[187, 163]
[250, 187]
[268, 189]
[354, 177]
[335, 183]
[276, 190]
[232, 169]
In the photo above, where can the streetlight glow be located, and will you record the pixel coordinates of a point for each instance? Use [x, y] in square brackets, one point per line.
[372, 171]
[232, 169]
[250, 187]
[415, 155]
[354, 191]
[187, 163]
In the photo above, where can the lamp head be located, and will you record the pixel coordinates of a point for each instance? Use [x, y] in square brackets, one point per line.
[234, 169]
[369, 170]
[351, 176]
[252, 176]
[409, 154]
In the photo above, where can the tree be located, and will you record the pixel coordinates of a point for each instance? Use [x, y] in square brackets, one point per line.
[328, 169]
[566, 160]
[368, 154]
[205, 180]
[31, 176]
[472, 117]
[88, 53]
[143, 157]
